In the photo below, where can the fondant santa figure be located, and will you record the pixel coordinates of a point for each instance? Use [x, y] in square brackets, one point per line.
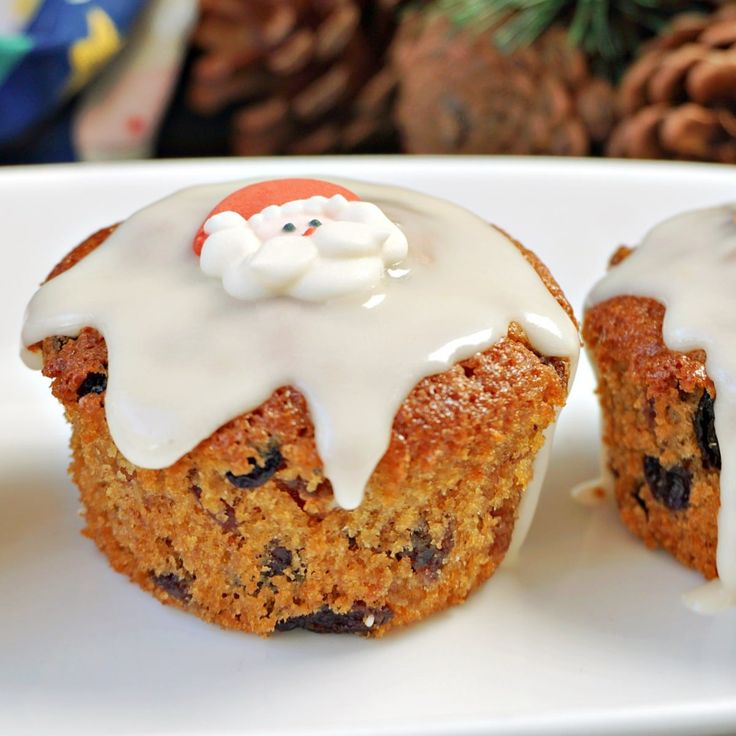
[302, 238]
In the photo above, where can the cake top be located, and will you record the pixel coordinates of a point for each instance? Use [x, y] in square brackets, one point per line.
[688, 263]
[396, 286]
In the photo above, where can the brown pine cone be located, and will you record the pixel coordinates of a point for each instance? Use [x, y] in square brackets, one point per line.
[300, 76]
[458, 93]
[678, 100]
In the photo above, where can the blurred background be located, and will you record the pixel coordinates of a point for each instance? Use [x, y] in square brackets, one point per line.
[128, 79]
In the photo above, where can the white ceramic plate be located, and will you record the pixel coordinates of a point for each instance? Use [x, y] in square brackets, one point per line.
[586, 635]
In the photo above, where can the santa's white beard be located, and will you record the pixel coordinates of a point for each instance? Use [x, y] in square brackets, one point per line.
[340, 256]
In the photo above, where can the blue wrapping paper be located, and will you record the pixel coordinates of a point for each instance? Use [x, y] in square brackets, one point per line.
[58, 48]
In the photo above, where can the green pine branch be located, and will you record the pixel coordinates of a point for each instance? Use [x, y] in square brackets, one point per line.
[609, 31]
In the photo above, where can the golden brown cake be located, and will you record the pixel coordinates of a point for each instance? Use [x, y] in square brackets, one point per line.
[661, 448]
[243, 530]
[660, 333]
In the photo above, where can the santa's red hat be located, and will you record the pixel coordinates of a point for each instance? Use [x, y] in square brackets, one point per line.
[250, 200]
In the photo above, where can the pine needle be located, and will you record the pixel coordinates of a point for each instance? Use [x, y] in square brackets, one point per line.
[609, 31]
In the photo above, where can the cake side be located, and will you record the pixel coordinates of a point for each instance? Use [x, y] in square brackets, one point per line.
[658, 429]
[681, 344]
[243, 530]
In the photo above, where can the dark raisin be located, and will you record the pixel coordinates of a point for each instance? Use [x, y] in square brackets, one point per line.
[94, 383]
[327, 621]
[289, 227]
[279, 559]
[424, 555]
[177, 587]
[704, 422]
[670, 487]
[272, 462]
[640, 501]
[315, 222]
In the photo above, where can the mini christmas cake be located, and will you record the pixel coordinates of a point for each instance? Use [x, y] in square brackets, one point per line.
[662, 339]
[312, 405]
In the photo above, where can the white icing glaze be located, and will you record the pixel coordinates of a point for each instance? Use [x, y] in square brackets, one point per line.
[688, 263]
[595, 491]
[185, 357]
[591, 492]
[710, 598]
[33, 360]
[530, 497]
[346, 253]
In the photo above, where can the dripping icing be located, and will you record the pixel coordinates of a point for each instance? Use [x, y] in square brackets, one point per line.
[688, 263]
[180, 348]
[530, 499]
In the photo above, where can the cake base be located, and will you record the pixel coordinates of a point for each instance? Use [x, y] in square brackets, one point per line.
[243, 531]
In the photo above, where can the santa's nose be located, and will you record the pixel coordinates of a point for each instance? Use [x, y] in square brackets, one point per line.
[309, 231]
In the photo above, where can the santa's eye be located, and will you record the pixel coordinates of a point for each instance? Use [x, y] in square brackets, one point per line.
[315, 223]
[289, 227]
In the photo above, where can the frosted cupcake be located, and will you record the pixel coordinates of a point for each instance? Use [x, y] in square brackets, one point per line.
[312, 405]
[659, 328]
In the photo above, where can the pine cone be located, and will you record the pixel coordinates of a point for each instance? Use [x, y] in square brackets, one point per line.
[458, 93]
[678, 100]
[300, 76]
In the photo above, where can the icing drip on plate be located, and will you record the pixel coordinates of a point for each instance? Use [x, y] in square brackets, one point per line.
[688, 263]
[530, 499]
[185, 356]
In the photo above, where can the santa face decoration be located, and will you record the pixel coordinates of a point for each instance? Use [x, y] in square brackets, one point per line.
[301, 238]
